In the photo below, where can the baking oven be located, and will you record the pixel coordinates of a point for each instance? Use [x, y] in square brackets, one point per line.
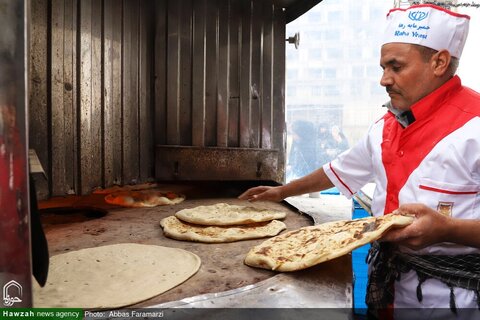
[188, 94]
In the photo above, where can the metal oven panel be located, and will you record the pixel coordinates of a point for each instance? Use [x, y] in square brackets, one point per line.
[196, 163]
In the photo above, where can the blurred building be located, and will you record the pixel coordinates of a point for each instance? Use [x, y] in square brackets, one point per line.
[333, 77]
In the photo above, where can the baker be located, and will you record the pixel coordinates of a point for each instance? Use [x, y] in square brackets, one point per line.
[424, 157]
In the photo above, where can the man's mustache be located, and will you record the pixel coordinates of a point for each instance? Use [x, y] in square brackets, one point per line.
[390, 90]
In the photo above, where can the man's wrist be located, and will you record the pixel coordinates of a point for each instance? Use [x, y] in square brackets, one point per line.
[462, 231]
[450, 228]
[281, 192]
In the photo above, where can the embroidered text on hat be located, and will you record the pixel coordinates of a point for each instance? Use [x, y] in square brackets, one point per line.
[428, 25]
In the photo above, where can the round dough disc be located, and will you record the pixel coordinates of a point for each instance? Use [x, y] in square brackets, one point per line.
[113, 276]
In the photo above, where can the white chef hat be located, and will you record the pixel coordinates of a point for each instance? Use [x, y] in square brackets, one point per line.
[428, 25]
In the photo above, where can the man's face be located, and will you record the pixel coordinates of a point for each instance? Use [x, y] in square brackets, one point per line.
[407, 77]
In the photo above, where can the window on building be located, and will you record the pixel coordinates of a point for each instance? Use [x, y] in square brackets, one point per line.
[331, 90]
[315, 73]
[353, 52]
[312, 36]
[334, 53]
[358, 72]
[356, 14]
[315, 54]
[329, 73]
[292, 74]
[374, 71]
[316, 91]
[333, 34]
[377, 89]
[335, 16]
[356, 89]
[291, 91]
[314, 17]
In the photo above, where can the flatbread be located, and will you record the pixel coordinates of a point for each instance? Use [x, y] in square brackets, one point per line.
[308, 246]
[176, 229]
[113, 276]
[144, 198]
[223, 214]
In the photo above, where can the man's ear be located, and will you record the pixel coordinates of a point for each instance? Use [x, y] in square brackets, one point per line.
[440, 62]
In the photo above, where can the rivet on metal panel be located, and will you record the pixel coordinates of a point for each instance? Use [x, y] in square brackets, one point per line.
[175, 168]
[254, 91]
[259, 169]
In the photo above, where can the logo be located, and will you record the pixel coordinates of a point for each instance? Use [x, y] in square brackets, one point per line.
[445, 208]
[12, 293]
[417, 15]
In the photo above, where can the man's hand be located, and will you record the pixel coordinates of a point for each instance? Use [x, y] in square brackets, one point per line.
[262, 193]
[429, 227]
[315, 181]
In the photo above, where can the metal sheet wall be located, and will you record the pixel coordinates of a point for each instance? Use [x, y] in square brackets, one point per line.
[91, 97]
[220, 74]
[111, 79]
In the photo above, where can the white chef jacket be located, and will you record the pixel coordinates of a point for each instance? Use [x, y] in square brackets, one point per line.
[434, 161]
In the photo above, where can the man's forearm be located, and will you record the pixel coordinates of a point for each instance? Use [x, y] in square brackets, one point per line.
[464, 232]
[315, 181]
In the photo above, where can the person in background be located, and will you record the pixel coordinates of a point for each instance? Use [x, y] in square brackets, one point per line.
[339, 142]
[424, 157]
[301, 160]
[324, 143]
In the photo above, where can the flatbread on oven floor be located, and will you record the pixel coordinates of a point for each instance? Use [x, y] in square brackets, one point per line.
[144, 198]
[113, 276]
[223, 214]
[176, 229]
[308, 246]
